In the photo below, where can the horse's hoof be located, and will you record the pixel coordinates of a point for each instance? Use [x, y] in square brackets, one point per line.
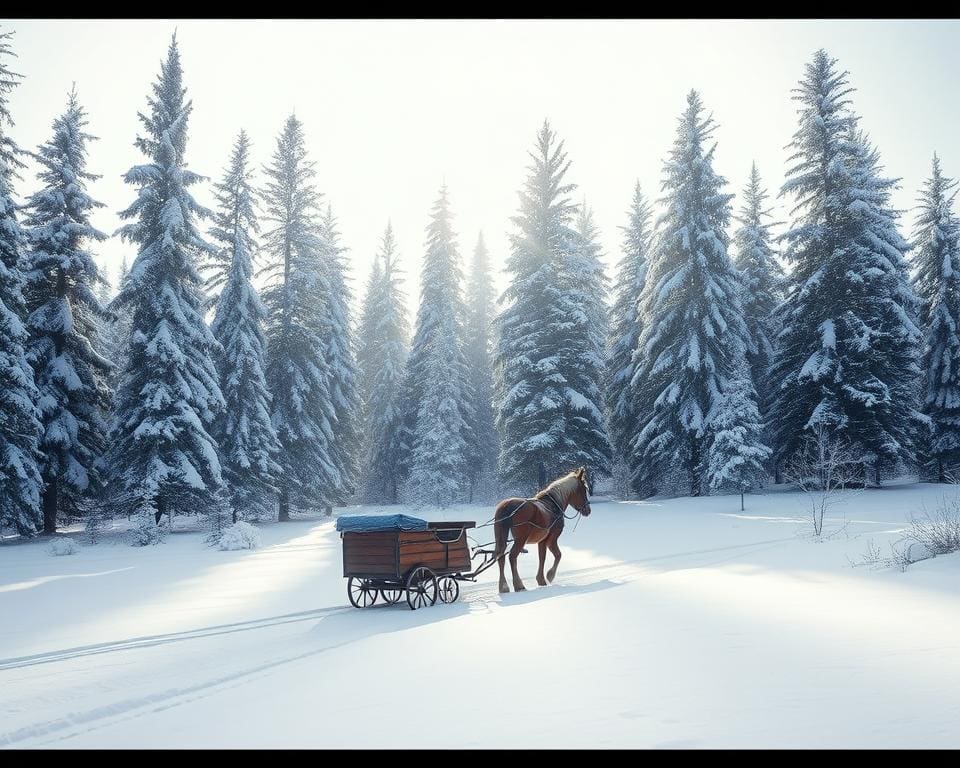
[504, 589]
[541, 582]
[521, 588]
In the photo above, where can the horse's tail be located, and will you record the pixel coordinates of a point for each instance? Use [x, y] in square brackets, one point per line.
[501, 528]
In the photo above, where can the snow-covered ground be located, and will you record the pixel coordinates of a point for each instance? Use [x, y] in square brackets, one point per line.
[677, 623]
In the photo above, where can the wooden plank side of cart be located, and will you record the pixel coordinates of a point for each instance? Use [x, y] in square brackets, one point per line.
[391, 555]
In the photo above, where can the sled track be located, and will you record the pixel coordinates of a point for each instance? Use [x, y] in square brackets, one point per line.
[626, 570]
[76, 723]
[148, 641]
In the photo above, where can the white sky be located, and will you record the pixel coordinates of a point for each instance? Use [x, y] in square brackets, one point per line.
[392, 109]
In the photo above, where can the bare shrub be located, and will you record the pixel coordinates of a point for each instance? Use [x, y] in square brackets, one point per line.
[939, 531]
[823, 467]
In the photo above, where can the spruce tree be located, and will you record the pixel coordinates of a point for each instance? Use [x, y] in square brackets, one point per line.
[585, 442]
[484, 450]
[297, 299]
[437, 402]
[20, 482]
[162, 457]
[64, 321]
[695, 333]
[117, 328]
[626, 325]
[532, 390]
[381, 358]
[342, 364]
[247, 439]
[763, 278]
[936, 259]
[738, 453]
[845, 358]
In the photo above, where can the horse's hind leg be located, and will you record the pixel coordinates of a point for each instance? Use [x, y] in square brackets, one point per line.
[543, 556]
[518, 541]
[555, 549]
[500, 552]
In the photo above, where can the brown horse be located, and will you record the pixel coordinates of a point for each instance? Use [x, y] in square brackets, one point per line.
[538, 521]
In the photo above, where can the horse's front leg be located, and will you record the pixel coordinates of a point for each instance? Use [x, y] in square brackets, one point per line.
[555, 549]
[518, 542]
[543, 556]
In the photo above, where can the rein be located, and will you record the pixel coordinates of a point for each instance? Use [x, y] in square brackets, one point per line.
[547, 496]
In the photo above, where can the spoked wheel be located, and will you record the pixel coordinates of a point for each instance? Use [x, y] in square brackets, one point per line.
[449, 589]
[361, 592]
[391, 596]
[421, 588]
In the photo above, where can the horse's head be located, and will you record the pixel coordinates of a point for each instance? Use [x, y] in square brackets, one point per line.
[580, 498]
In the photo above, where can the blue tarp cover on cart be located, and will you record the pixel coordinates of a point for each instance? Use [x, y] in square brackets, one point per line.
[381, 523]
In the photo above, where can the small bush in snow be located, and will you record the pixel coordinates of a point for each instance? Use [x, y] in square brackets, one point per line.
[146, 529]
[932, 534]
[240, 535]
[938, 532]
[60, 547]
[901, 556]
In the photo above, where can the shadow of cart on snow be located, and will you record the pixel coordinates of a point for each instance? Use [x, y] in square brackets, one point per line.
[359, 623]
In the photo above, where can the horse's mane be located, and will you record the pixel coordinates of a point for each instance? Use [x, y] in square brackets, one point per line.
[565, 484]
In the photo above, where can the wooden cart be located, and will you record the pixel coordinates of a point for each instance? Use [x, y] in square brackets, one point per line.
[424, 565]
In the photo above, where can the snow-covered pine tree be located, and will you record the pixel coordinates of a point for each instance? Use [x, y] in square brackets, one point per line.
[162, 458]
[117, 328]
[342, 364]
[439, 447]
[936, 244]
[585, 442]
[626, 324]
[381, 358]
[695, 331]
[531, 388]
[846, 357]
[248, 442]
[20, 482]
[64, 349]
[738, 454]
[368, 348]
[484, 449]
[437, 403]
[297, 301]
[763, 279]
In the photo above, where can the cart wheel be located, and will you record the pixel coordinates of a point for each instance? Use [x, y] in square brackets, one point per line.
[421, 588]
[361, 592]
[449, 589]
[391, 596]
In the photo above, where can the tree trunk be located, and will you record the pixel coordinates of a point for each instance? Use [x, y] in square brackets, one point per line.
[694, 465]
[50, 494]
[941, 478]
[328, 510]
[877, 467]
[160, 509]
[284, 504]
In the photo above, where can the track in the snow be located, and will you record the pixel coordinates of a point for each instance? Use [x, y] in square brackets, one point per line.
[481, 594]
[148, 641]
[627, 569]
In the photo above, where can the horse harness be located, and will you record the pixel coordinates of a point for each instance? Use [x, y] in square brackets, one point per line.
[557, 513]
